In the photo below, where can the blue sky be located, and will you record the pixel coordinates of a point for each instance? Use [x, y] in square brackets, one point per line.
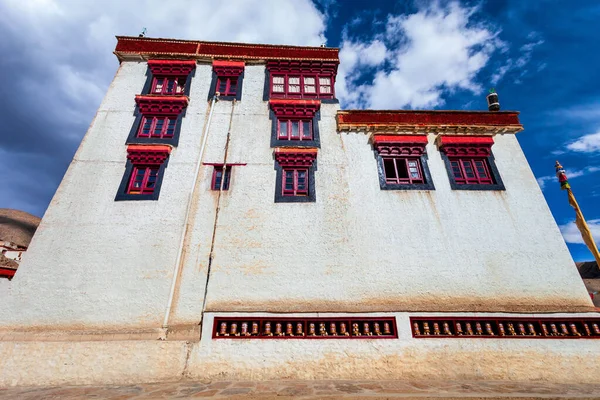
[541, 56]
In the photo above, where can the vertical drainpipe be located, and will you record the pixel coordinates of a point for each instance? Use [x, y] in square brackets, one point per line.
[163, 330]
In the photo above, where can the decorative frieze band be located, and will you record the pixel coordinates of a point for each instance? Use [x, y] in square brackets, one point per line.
[466, 145]
[295, 108]
[148, 154]
[505, 328]
[304, 328]
[163, 105]
[171, 67]
[295, 157]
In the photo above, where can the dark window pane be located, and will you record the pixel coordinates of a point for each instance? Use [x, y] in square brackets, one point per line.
[159, 85]
[170, 86]
[171, 127]
[481, 169]
[390, 170]
[181, 84]
[283, 129]
[146, 127]
[468, 169]
[158, 127]
[289, 180]
[401, 166]
[232, 87]
[222, 86]
[295, 129]
[226, 178]
[306, 131]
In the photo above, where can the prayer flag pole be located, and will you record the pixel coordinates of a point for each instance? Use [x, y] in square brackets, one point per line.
[586, 234]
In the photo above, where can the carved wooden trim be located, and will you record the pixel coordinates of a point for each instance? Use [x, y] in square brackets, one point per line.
[161, 105]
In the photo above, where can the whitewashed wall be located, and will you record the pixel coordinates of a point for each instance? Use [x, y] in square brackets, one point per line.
[95, 262]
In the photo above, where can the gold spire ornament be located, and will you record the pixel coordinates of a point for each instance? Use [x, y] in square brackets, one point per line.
[586, 234]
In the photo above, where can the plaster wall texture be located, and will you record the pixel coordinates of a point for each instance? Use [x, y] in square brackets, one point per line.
[95, 262]
[127, 362]
[356, 249]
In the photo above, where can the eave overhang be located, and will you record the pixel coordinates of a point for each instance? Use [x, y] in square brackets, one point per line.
[136, 48]
[423, 122]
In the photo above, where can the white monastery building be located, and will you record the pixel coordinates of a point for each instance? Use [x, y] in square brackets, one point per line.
[224, 219]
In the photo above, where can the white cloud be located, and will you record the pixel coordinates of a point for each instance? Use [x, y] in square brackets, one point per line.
[571, 174]
[521, 62]
[586, 144]
[571, 233]
[432, 51]
[57, 63]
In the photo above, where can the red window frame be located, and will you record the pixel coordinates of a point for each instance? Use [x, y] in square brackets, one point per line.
[171, 85]
[146, 176]
[403, 164]
[294, 186]
[157, 126]
[302, 92]
[221, 181]
[231, 85]
[303, 131]
[471, 170]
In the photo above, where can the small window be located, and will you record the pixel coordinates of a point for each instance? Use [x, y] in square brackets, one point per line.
[309, 85]
[295, 182]
[169, 85]
[278, 84]
[402, 170]
[159, 127]
[301, 86]
[143, 180]
[221, 178]
[293, 84]
[227, 86]
[293, 129]
[469, 171]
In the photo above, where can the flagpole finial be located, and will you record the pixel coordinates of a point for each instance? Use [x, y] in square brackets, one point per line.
[562, 176]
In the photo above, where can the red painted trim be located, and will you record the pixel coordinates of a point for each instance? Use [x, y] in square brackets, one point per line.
[196, 49]
[305, 324]
[594, 332]
[158, 104]
[235, 64]
[421, 139]
[295, 108]
[7, 272]
[285, 70]
[468, 140]
[148, 154]
[405, 117]
[295, 157]
[171, 67]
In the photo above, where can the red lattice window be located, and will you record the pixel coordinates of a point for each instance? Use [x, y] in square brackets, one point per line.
[221, 177]
[295, 182]
[143, 179]
[403, 170]
[162, 127]
[471, 171]
[227, 85]
[301, 85]
[294, 129]
[169, 85]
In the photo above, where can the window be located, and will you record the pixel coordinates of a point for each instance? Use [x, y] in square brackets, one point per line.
[299, 86]
[295, 122]
[290, 129]
[471, 171]
[143, 180]
[169, 85]
[227, 86]
[227, 80]
[402, 171]
[158, 119]
[169, 77]
[402, 162]
[295, 175]
[157, 127]
[144, 172]
[295, 182]
[470, 162]
[220, 178]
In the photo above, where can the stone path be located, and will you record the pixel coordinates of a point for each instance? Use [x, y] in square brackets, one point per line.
[312, 390]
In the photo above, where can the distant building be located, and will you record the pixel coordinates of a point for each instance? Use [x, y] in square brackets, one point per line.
[590, 273]
[222, 202]
[16, 230]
